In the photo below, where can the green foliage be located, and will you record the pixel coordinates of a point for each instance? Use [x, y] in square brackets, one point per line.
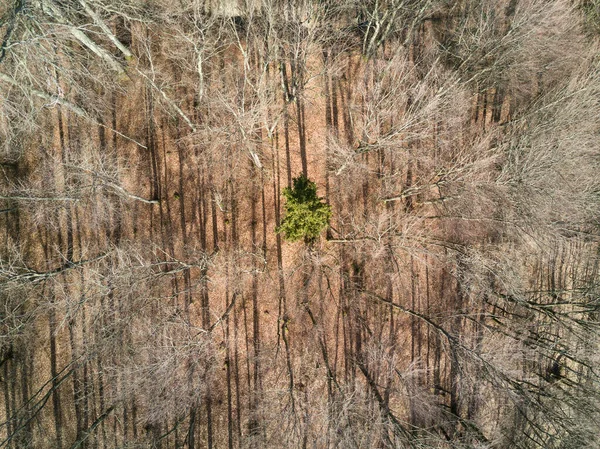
[591, 14]
[306, 215]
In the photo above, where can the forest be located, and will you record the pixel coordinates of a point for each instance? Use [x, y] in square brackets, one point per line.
[299, 224]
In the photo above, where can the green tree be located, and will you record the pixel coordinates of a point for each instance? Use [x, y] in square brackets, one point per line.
[306, 215]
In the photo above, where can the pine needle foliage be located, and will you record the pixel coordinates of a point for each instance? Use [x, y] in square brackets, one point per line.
[306, 215]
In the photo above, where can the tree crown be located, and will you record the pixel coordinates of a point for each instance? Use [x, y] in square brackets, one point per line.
[306, 215]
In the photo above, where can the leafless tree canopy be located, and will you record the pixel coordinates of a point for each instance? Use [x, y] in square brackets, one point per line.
[146, 300]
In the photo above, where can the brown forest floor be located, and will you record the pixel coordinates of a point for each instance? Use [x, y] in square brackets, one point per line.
[149, 302]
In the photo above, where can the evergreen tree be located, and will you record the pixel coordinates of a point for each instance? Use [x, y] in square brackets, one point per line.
[306, 215]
